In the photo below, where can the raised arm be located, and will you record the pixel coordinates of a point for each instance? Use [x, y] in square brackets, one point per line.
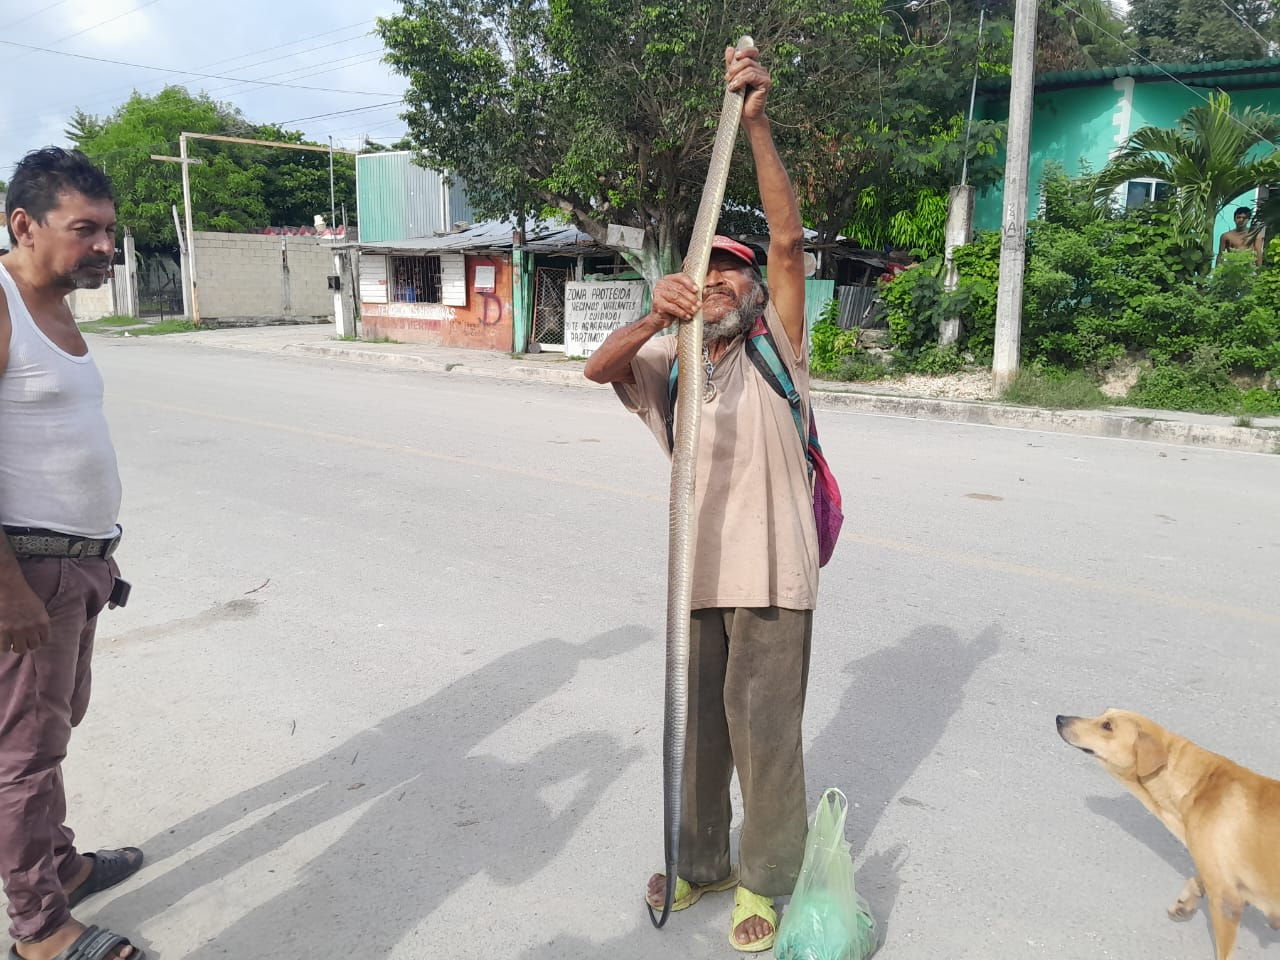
[786, 231]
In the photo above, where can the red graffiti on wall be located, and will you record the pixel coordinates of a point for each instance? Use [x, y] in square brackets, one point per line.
[490, 309]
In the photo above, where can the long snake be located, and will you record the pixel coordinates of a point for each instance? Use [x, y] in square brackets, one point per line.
[684, 453]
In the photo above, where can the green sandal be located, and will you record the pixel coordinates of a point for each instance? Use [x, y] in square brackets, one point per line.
[687, 894]
[745, 906]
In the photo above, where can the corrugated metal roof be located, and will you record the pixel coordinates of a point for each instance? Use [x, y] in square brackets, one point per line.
[496, 235]
[1225, 74]
[399, 200]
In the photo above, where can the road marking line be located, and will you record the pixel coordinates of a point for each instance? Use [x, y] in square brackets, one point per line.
[1087, 583]
[404, 448]
[895, 546]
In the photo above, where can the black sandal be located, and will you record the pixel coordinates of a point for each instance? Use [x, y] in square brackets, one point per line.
[109, 868]
[94, 944]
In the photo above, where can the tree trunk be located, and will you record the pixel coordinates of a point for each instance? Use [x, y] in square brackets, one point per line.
[657, 258]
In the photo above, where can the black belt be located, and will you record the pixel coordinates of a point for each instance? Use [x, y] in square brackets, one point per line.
[34, 542]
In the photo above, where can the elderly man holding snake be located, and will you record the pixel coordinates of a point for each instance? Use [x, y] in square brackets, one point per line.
[755, 576]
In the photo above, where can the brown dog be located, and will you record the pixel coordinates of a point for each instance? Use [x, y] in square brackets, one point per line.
[1226, 816]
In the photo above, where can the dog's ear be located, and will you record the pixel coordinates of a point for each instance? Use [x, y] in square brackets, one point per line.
[1149, 754]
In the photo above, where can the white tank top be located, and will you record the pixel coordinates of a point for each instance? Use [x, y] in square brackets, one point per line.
[57, 465]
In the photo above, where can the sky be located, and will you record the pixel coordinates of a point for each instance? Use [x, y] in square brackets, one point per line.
[304, 43]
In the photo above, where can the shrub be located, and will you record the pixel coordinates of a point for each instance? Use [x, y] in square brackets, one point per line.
[1055, 389]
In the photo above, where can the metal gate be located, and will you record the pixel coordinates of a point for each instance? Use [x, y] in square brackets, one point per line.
[548, 306]
[159, 286]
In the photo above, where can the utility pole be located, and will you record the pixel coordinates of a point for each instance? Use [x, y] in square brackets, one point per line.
[186, 162]
[191, 237]
[959, 227]
[1013, 244]
[187, 249]
[333, 208]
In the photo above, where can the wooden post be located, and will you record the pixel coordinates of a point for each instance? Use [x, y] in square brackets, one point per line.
[191, 237]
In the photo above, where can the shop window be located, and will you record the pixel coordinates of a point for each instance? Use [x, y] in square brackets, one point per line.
[416, 280]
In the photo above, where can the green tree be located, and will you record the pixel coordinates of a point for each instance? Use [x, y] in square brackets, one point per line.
[1210, 158]
[295, 184]
[235, 188]
[1096, 31]
[863, 157]
[1203, 31]
[82, 127]
[604, 109]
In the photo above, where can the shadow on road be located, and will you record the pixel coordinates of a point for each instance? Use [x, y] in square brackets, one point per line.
[429, 814]
[891, 717]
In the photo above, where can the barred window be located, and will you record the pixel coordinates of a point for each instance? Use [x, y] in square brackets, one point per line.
[415, 280]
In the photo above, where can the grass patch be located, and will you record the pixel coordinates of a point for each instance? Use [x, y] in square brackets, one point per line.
[164, 326]
[1055, 390]
[118, 326]
[857, 364]
[364, 340]
[109, 323]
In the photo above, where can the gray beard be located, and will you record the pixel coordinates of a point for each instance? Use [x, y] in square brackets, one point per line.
[79, 281]
[737, 322]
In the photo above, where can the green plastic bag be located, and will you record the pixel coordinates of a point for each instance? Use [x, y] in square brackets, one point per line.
[827, 919]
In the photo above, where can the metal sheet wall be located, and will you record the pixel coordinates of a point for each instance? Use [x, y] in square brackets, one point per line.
[399, 200]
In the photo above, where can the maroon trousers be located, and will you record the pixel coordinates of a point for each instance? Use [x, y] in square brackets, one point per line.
[42, 696]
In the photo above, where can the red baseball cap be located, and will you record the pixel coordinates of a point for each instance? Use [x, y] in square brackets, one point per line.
[733, 247]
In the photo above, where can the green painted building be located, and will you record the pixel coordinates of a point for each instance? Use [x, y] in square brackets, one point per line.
[1081, 117]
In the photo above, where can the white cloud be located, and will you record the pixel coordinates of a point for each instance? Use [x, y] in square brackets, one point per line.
[309, 43]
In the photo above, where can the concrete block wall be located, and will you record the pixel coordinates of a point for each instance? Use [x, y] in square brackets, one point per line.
[243, 277]
[93, 304]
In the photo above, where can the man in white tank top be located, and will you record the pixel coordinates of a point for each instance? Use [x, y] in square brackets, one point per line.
[59, 500]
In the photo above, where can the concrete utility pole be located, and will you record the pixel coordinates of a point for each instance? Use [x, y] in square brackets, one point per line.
[1013, 244]
[959, 228]
[130, 276]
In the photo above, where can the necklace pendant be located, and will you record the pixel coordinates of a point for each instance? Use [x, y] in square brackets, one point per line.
[709, 392]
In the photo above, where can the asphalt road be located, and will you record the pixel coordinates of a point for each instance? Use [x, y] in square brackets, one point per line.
[390, 681]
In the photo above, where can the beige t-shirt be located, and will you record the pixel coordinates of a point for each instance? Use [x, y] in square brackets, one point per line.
[757, 544]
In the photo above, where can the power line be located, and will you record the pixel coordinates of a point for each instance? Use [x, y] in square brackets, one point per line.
[333, 65]
[1188, 87]
[45, 9]
[339, 113]
[170, 144]
[94, 26]
[1266, 44]
[189, 73]
[277, 48]
[115, 96]
[301, 73]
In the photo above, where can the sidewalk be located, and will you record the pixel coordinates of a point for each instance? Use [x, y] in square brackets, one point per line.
[883, 398]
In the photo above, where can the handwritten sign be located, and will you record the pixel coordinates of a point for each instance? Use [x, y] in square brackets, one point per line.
[592, 311]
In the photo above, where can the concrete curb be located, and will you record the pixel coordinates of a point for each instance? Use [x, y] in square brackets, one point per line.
[411, 361]
[1082, 422]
